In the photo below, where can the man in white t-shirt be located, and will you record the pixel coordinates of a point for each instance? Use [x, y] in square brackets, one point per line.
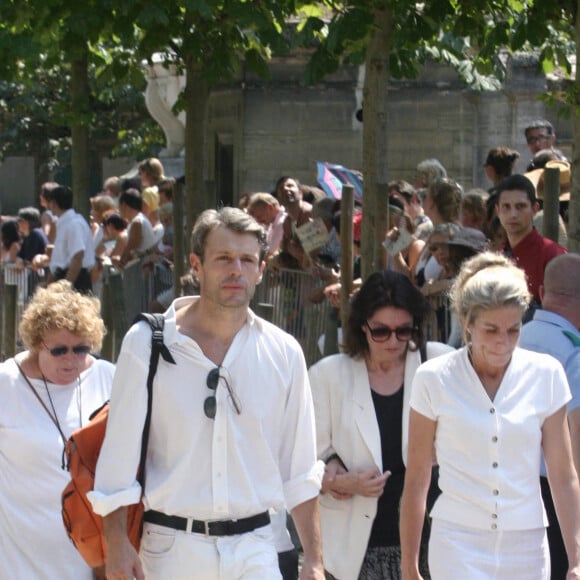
[73, 255]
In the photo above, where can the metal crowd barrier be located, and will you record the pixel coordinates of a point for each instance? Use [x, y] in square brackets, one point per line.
[123, 294]
[438, 326]
[284, 297]
[16, 287]
[127, 293]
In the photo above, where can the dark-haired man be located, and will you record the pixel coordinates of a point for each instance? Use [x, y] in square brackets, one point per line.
[73, 255]
[516, 206]
[540, 135]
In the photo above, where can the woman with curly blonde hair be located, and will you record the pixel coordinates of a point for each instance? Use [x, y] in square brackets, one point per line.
[47, 392]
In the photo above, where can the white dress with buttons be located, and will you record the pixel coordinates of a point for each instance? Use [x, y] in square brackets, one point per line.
[489, 458]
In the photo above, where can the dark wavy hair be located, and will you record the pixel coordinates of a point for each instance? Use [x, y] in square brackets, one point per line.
[380, 290]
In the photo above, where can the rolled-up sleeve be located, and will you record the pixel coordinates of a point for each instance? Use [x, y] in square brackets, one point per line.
[301, 472]
[116, 482]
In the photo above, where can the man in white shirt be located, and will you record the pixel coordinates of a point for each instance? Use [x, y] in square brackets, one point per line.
[232, 430]
[555, 330]
[73, 255]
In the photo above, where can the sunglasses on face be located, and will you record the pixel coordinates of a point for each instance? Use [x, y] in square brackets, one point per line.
[210, 404]
[79, 350]
[383, 333]
[537, 138]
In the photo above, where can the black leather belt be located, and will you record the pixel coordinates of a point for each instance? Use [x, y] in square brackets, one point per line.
[212, 528]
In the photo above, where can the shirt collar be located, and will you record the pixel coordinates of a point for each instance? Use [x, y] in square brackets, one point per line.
[552, 318]
[172, 335]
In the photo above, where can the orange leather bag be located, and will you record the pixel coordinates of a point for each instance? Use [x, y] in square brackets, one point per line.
[83, 526]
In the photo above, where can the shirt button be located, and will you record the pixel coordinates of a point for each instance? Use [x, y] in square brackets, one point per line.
[492, 410]
[496, 492]
[494, 526]
[494, 516]
[494, 464]
[494, 439]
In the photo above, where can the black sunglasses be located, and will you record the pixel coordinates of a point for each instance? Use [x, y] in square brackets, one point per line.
[81, 349]
[383, 333]
[538, 138]
[210, 404]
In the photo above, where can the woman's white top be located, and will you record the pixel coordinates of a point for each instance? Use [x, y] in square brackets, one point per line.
[33, 541]
[489, 451]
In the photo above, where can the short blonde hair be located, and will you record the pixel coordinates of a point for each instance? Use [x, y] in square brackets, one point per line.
[59, 307]
[488, 281]
[150, 197]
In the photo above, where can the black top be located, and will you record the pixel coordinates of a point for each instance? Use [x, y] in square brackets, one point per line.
[33, 244]
[389, 411]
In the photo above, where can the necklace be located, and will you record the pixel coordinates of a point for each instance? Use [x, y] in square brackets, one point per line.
[53, 416]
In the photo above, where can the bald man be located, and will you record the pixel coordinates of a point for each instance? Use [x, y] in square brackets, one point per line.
[555, 330]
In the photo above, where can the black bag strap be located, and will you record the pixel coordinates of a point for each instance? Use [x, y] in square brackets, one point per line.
[423, 351]
[158, 347]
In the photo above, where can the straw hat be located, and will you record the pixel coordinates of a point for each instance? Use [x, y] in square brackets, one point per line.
[537, 178]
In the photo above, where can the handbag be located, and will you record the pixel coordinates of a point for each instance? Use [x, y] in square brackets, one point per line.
[83, 526]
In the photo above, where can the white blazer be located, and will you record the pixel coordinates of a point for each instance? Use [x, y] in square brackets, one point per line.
[346, 424]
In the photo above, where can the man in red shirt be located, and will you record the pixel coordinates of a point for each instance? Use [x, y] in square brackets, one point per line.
[516, 207]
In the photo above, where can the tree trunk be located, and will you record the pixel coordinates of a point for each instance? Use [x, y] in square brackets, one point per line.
[375, 143]
[197, 98]
[80, 94]
[574, 207]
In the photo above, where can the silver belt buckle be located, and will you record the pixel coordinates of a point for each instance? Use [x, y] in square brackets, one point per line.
[206, 524]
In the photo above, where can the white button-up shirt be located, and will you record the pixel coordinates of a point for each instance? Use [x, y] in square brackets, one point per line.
[489, 451]
[73, 235]
[229, 467]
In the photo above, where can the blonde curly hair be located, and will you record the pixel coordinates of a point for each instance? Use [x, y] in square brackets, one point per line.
[60, 307]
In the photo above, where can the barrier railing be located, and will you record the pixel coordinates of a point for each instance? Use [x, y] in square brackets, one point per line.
[286, 295]
[16, 287]
[283, 297]
[438, 326]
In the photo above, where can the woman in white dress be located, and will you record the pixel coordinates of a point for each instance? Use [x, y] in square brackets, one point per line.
[489, 409]
[47, 392]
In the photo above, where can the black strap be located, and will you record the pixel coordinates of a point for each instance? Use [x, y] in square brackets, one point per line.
[54, 419]
[158, 347]
[423, 351]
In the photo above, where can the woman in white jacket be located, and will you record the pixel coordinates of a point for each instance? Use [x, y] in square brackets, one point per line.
[361, 403]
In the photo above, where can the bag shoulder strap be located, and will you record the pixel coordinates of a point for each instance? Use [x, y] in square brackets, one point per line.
[423, 351]
[156, 322]
[52, 417]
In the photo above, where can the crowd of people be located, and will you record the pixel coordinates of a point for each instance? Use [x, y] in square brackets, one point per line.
[399, 457]
[433, 226]
[130, 218]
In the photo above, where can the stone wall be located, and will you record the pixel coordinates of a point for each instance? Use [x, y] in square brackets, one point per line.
[259, 130]
[287, 127]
